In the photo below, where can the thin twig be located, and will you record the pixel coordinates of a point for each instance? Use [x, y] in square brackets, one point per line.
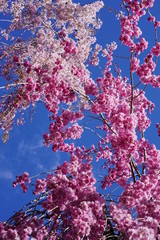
[136, 169]
[133, 175]
[96, 134]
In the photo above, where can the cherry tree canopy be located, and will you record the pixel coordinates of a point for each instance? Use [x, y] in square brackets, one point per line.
[48, 52]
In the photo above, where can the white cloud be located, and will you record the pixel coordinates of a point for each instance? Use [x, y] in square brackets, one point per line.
[29, 148]
[6, 175]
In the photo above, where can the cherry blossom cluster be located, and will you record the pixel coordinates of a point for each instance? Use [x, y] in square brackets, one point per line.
[51, 59]
[59, 132]
[22, 180]
[142, 228]
[70, 195]
[120, 125]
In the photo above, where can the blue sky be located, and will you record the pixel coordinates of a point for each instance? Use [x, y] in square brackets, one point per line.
[25, 151]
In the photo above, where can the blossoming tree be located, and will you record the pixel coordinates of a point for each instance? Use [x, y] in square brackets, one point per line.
[47, 51]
